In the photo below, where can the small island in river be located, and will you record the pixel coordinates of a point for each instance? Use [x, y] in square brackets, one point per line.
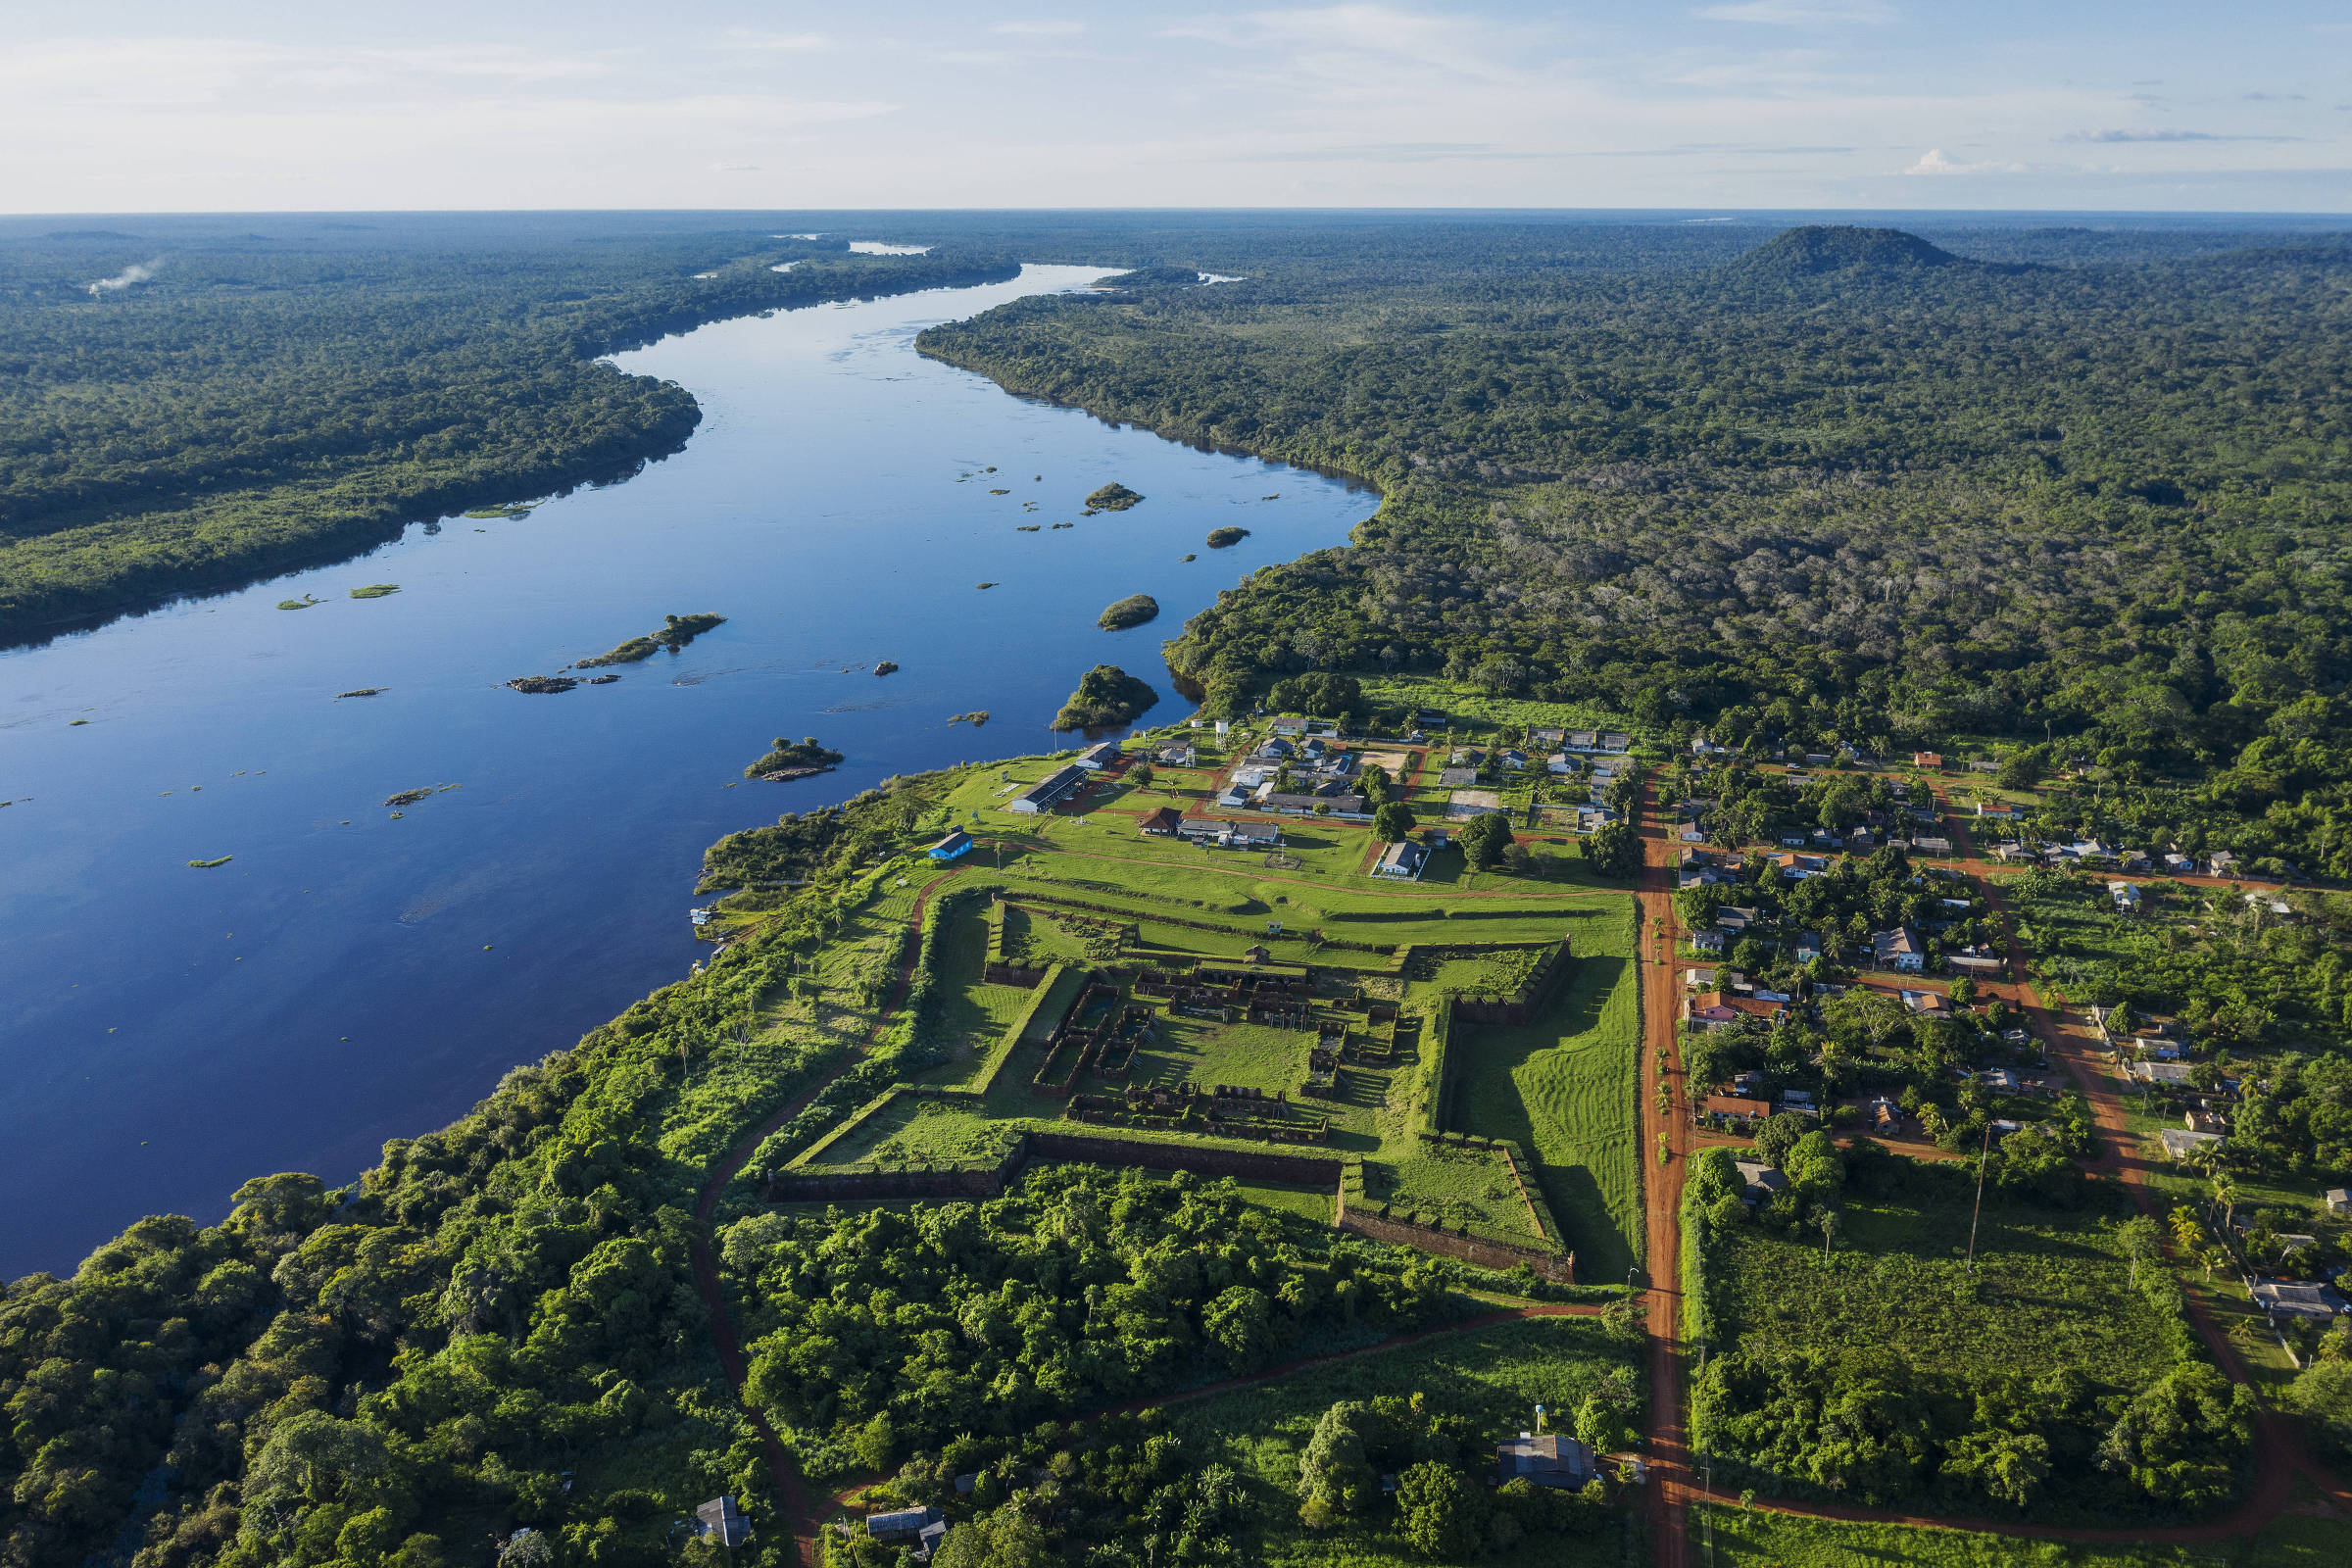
[1113, 497]
[675, 633]
[1132, 611]
[542, 685]
[1226, 538]
[1106, 695]
[793, 760]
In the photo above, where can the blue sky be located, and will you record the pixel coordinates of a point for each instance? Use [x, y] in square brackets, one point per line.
[209, 106]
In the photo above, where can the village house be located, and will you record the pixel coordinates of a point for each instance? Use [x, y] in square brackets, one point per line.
[1097, 758]
[2126, 897]
[2285, 1299]
[957, 842]
[904, 1526]
[721, 1521]
[1798, 867]
[1925, 1003]
[1927, 758]
[1289, 805]
[1808, 947]
[1717, 1009]
[1458, 779]
[1217, 833]
[2221, 862]
[1707, 940]
[2206, 1121]
[1763, 1180]
[1553, 738]
[1973, 961]
[1161, 823]
[1736, 919]
[1547, 1460]
[1899, 950]
[1179, 753]
[2180, 864]
[1403, 858]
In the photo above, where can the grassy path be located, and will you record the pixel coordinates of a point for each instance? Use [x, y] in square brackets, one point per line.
[786, 1476]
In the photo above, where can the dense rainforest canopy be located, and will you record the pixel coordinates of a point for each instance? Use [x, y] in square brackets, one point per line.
[1847, 485]
[258, 398]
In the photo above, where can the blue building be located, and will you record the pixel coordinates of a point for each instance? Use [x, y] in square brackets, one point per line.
[957, 843]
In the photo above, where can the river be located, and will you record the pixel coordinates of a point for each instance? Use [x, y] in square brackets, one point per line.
[350, 975]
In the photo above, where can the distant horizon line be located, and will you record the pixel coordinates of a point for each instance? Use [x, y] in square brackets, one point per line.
[1688, 214]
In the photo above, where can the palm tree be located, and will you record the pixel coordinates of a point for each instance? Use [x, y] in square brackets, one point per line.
[2225, 1193]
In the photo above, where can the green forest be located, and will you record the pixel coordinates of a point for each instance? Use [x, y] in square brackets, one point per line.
[1841, 486]
[263, 400]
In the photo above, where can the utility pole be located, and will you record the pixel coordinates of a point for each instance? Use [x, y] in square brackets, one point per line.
[1983, 1157]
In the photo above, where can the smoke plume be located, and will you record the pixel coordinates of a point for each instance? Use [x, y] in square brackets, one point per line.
[138, 273]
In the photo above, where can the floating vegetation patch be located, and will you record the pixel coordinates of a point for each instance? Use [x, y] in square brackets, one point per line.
[364, 691]
[206, 865]
[984, 585]
[1191, 557]
[499, 511]
[977, 718]
[1065, 526]
[675, 633]
[304, 602]
[1226, 538]
[1113, 497]
[886, 667]
[542, 685]
[1026, 527]
[376, 590]
[412, 797]
[1132, 611]
[1000, 492]
[602, 680]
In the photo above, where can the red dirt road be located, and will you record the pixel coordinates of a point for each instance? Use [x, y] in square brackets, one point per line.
[781, 1470]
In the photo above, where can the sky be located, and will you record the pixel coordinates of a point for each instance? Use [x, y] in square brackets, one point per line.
[322, 105]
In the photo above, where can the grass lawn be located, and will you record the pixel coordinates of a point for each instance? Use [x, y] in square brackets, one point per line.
[1760, 1540]
[1456, 1187]
[1308, 1202]
[1496, 1375]
[2051, 1289]
[1566, 1085]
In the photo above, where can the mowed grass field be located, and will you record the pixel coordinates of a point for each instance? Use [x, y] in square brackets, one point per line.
[1761, 1540]
[1567, 1087]
[1496, 1375]
[2051, 1290]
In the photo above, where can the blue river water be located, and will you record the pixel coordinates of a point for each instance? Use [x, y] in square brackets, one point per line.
[347, 976]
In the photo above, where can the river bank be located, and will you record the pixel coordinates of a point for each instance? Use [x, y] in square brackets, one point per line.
[348, 977]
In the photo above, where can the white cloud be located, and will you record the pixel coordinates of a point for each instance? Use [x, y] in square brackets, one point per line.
[1935, 163]
[736, 168]
[1803, 13]
[1040, 29]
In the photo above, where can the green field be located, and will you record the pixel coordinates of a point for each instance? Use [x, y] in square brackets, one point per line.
[1761, 1540]
[1496, 1375]
[1566, 1087]
[2051, 1290]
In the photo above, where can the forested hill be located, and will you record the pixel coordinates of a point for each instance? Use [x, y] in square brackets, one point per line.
[1882, 499]
[183, 408]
